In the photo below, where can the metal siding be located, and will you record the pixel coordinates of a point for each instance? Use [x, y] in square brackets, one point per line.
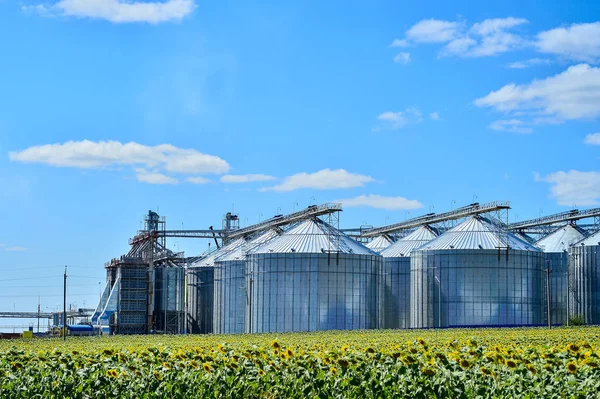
[311, 292]
[404, 246]
[558, 262]
[477, 288]
[395, 295]
[312, 236]
[584, 282]
[561, 239]
[477, 233]
[200, 300]
[380, 243]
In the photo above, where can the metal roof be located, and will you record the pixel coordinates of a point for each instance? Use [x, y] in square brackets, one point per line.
[403, 247]
[477, 233]
[240, 252]
[592, 240]
[561, 239]
[213, 256]
[380, 243]
[312, 236]
[524, 237]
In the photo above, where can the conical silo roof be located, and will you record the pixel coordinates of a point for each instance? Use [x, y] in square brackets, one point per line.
[224, 250]
[592, 240]
[380, 243]
[561, 239]
[525, 237]
[477, 233]
[240, 252]
[406, 245]
[312, 236]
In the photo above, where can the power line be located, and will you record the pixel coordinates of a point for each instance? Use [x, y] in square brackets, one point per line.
[45, 296]
[44, 277]
[51, 286]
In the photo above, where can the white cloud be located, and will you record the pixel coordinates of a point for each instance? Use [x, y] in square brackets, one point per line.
[380, 202]
[119, 11]
[494, 25]
[593, 139]
[396, 120]
[15, 249]
[529, 63]
[104, 154]
[578, 42]
[432, 31]
[154, 178]
[574, 187]
[325, 179]
[434, 116]
[486, 38]
[402, 58]
[510, 125]
[246, 178]
[399, 43]
[571, 95]
[198, 180]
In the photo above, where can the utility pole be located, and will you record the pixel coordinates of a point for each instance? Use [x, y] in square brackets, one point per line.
[65, 306]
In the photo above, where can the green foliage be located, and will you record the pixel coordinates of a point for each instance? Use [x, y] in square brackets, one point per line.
[576, 320]
[502, 363]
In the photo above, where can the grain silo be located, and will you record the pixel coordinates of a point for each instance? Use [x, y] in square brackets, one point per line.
[231, 297]
[476, 275]
[380, 243]
[201, 290]
[312, 277]
[584, 279]
[395, 278]
[555, 247]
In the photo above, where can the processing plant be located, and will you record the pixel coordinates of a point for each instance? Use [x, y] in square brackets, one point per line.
[301, 272]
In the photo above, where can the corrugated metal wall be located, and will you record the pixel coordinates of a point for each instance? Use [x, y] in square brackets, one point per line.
[312, 292]
[453, 288]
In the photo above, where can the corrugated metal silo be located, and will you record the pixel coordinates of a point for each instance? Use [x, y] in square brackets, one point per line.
[464, 278]
[380, 243]
[232, 297]
[395, 277]
[584, 279]
[312, 278]
[169, 299]
[202, 289]
[555, 246]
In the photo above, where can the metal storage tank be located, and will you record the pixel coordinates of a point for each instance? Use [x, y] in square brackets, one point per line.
[231, 298]
[395, 277]
[555, 246]
[584, 279]
[380, 243]
[312, 277]
[201, 290]
[524, 237]
[169, 299]
[467, 277]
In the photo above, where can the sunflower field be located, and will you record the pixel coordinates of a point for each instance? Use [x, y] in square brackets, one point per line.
[466, 363]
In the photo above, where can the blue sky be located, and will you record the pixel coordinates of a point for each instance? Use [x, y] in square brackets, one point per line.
[108, 109]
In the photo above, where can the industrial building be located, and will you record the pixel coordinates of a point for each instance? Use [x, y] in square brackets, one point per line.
[556, 246]
[395, 277]
[476, 274]
[584, 279]
[301, 272]
[310, 278]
